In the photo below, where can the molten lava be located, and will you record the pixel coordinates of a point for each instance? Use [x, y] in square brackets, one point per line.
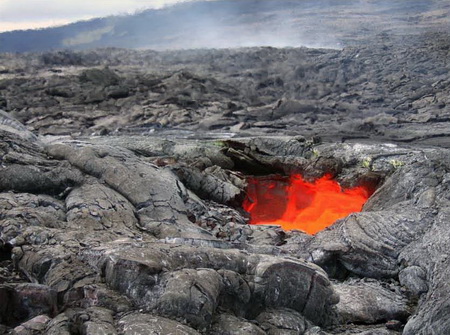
[294, 203]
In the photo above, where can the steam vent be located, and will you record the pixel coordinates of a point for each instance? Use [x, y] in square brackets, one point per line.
[214, 182]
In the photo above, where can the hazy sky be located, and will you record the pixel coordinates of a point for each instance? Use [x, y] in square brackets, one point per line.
[26, 14]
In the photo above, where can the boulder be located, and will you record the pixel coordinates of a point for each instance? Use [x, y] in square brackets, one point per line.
[139, 323]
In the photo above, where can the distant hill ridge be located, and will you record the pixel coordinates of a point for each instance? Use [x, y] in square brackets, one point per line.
[237, 23]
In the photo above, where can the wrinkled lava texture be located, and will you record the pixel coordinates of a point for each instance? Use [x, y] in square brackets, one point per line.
[123, 174]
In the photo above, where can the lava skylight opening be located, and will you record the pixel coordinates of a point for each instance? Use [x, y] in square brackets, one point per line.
[295, 204]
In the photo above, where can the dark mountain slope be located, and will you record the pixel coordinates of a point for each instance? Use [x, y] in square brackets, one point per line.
[235, 23]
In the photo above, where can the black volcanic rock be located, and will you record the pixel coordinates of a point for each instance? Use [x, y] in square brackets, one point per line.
[394, 89]
[122, 174]
[132, 228]
[25, 301]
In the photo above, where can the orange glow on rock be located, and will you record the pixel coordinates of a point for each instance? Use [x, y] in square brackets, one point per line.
[293, 203]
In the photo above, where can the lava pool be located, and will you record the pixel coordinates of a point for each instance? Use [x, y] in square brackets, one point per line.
[295, 204]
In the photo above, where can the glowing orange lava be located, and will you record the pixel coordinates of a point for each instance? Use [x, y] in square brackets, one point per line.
[294, 203]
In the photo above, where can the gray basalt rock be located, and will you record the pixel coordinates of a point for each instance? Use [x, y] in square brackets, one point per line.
[369, 302]
[282, 322]
[388, 237]
[122, 224]
[192, 295]
[22, 210]
[315, 331]
[164, 278]
[211, 184]
[94, 320]
[56, 267]
[414, 279]
[102, 77]
[9, 124]
[36, 325]
[26, 168]
[428, 252]
[35, 180]
[94, 206]
[399, 94]
[155, 192]
[138, 323]
[226, 324]
[123, 202]
[59, 325]
[366, 251]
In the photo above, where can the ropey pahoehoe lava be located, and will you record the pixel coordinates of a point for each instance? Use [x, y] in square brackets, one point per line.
[123, 172]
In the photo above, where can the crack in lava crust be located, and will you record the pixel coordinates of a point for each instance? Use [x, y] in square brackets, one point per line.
[295, 204]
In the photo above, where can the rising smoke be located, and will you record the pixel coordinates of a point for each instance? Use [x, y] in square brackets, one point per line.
[312, 23]
[242, 23]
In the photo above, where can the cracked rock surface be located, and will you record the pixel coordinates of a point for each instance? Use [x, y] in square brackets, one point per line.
[133, 224]
[126, 243]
